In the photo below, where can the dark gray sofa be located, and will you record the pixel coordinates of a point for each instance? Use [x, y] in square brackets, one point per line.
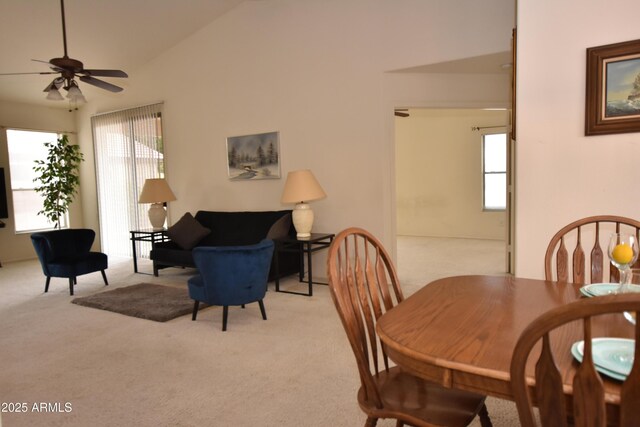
[229, 229]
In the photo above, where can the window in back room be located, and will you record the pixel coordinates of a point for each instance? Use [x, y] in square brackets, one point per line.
[494, 171]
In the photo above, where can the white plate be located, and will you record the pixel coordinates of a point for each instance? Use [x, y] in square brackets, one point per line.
[598, 289]
[612, 354]
[578, 356]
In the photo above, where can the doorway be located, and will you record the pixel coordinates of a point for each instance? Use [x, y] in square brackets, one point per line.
[440, 178]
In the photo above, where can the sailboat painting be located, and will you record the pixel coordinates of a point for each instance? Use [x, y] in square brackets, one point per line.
[622, 77]
[613, 89]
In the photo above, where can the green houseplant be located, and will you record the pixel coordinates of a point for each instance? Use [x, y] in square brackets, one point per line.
[58, 178]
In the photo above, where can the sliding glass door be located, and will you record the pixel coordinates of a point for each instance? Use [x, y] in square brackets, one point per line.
[128, 149]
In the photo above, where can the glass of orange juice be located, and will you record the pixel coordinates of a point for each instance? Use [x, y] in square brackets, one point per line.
[623, 253]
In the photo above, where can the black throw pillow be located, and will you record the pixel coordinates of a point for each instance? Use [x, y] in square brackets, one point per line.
[187, 232]
[280, 228]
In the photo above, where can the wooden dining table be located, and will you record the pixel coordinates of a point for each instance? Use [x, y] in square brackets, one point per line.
[461, 331]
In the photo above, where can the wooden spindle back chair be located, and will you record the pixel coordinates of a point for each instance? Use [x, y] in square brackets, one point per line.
[364, 285]
[588, 393]
[591, 232]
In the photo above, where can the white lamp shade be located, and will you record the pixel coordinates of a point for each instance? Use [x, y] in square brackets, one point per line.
[54, 95]
[156, 190]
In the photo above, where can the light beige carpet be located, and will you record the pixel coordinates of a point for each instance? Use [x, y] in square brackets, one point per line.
[294, 369]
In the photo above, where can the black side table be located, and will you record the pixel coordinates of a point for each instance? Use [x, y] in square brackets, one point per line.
[145, 235]
[309, 245]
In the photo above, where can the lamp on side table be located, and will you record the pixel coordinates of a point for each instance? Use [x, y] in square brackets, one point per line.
[302, 187]
[156, 191]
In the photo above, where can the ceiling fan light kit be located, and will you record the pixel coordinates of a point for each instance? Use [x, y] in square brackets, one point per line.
[54, 95]
[69, 68]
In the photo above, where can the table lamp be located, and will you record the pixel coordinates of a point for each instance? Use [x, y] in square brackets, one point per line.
[156, 191]
[301, 187]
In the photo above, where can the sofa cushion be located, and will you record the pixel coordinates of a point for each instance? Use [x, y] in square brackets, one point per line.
[187, 232]
[237, 228]
[280, 228]
[169, 253]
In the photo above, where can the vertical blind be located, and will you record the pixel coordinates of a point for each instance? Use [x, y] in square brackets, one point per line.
[128, 149]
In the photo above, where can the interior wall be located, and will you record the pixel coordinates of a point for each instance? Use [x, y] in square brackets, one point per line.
[439, 174]
[15, 247]
[315, 72]
[562, 175]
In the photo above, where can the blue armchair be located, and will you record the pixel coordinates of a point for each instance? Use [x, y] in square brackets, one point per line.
[67, 253]
[230, 275]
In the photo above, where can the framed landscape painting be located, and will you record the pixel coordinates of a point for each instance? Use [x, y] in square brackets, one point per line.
[252, 157]
[613, 89]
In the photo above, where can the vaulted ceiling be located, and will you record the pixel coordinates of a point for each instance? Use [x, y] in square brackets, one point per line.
[123, 34]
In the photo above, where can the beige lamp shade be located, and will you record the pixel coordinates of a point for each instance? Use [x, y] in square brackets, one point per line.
[302, 187]
[156, 191]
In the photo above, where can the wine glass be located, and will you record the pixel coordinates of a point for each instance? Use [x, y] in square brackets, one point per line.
[634, 279]
[623, 252]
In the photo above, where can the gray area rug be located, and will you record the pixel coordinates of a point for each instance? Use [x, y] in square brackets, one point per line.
[144, 300]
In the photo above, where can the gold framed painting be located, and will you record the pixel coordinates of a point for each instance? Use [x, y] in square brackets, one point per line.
[613, 89]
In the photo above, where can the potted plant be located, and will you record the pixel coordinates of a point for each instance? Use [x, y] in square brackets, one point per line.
[58, 178]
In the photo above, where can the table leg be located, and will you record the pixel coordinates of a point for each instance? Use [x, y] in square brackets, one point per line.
[301, 260]
[310, 273]
[135, 255]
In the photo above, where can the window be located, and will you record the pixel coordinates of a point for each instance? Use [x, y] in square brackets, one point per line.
[25, 147]
[494, 171]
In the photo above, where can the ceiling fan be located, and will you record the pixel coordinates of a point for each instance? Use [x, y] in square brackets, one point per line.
[400, 112]
[69, 69]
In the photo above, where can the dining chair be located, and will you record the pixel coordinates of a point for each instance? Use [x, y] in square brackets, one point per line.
[594, 232]
[587, 389]
[364, 284]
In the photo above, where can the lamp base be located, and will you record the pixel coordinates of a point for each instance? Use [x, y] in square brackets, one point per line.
[302, 217]
[157, 215]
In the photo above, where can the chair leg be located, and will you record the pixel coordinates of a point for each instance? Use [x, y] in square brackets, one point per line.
[71, 280]
[195, 309]
[371, 422]
[46, 285]
[264, 313]
[104, 277]
[485, 421]
[225, 314]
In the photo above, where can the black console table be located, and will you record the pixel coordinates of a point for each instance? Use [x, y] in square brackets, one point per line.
[309, 245]
[145, 235]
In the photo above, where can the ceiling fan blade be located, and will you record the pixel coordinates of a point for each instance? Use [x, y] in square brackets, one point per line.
[35, 72]
[106, 73]
[101, 84]
[44, 62]
[399, 114]
[53, 67]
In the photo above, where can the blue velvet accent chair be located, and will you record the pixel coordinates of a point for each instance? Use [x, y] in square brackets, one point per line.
[231, 275]
[67, 253]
